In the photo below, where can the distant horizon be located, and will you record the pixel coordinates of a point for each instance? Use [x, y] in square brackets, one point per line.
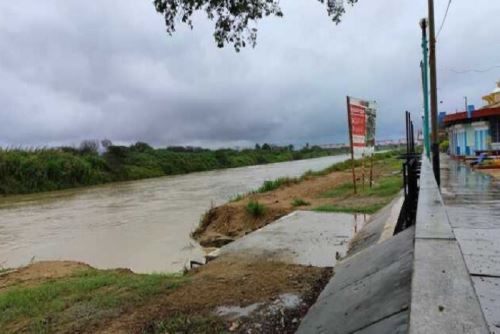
[212, 147]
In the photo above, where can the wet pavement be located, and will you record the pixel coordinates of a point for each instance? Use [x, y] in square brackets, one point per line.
[302, 237]
[472, 201]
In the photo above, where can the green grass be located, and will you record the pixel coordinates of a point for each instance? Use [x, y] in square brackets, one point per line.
[384, 187]
[4, 270]
[238, 198]
[387, 158]
[368, 209]
[189, 324]
[342, 190]
[347, 165]
[268, 186]
[86, 296]
[255, 208]
[299, 202]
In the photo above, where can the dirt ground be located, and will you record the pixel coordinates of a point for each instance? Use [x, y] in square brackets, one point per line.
[40, 272]
[231, 282]
[228, 281]
[223, 224]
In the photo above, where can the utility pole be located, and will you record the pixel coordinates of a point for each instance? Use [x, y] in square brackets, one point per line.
[434, 98]
[425, 87]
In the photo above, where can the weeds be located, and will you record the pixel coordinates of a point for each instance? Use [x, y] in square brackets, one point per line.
[189, 324]
[368, 209]
[299, 202]
[99, 293]
[276, 184]
[255, 208]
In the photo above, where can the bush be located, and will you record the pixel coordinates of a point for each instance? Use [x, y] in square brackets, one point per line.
[255, 208]
[43, 169]
[444, 146]
[299, 202]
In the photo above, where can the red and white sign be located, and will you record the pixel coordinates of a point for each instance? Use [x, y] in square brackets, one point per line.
[362, 117]
[358, 124]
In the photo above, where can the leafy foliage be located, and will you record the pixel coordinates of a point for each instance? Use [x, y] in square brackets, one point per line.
[235, 20]
[444, 146]
[35, 170]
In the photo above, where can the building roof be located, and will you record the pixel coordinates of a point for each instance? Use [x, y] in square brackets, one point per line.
[461, 117]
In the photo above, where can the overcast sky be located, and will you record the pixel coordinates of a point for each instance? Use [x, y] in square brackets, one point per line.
[72, 70]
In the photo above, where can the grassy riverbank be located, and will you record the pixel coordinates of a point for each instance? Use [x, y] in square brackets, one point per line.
[69, 297]
[36, 170]
[330, 190]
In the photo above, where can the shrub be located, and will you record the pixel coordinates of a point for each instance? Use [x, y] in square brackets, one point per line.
[299, 202]
[444, 145]
[255, 208]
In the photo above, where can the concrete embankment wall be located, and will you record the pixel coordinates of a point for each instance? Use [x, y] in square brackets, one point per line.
[370, 291]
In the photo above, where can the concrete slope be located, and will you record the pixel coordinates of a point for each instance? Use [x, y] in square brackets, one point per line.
[302, 237]
[369, 293]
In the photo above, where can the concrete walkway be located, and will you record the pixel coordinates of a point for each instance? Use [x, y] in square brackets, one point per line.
[441, 276]
[472, 200]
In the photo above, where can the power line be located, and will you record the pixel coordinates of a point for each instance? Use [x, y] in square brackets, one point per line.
[444, 18]
[471, 70]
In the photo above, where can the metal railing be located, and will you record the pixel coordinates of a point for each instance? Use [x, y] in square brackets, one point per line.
[411, 175]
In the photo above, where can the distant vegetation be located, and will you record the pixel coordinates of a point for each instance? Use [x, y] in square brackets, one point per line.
[34, 170]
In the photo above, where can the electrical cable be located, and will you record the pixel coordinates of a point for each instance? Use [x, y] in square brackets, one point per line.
[471, 70]
[444, 18]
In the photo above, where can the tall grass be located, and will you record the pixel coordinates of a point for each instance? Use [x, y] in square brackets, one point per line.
[45, 169]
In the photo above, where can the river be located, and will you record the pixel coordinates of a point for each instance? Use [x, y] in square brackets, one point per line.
[141, 225]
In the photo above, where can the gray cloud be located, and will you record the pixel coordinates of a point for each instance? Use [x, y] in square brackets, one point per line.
[72, 70]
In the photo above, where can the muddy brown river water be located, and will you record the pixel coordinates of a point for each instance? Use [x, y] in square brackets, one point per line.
[142, 225]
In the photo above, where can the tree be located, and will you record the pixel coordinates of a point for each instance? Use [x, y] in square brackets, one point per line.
[89, 146]
[141, 147]
[257, 146]
[106, 143]
[266, 147]
[234, 19]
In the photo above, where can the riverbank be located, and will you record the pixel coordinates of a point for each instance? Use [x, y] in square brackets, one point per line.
[68, 297]
[38, 170]
[330, 190]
